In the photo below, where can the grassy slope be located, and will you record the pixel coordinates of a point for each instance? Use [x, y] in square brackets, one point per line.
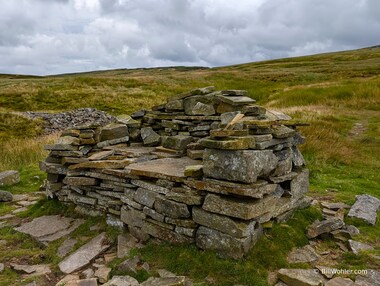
[333, 92]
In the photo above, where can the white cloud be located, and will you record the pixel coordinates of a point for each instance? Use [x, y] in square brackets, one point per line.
[57, 36]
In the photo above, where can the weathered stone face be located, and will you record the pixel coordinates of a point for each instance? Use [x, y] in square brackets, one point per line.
[224, 224]
[178, 142]
[171, 208]
[245, 209]
[8, 178]
[242, 166]
[224, 244]
[113, 131]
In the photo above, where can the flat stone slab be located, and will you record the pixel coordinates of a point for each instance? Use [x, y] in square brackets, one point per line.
[301, 277]
[365, 208]
[85, 254]
[10, 177]
[303, 255]
[35, 270]
[122, 281]
[357, 246]
[50, 228]
[167, 168]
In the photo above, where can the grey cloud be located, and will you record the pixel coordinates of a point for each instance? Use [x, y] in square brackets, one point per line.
[47, 37]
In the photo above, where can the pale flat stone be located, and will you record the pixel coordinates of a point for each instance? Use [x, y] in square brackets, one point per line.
[302, 255]
[325, 226]
[167, 168]
[102, 273]
[372, 278]
[84, 254]
[122, 281]
[35, 270]
[339, 281]
[50, 228]
[2, 267]
[301, 277]
[357, 246]
[365, 208]
[167, 281]
[68, 280]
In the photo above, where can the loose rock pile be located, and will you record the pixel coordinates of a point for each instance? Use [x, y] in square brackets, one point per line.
[60, 121]
[207, 167]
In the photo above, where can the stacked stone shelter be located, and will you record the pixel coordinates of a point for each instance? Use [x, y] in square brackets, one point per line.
[206, 167]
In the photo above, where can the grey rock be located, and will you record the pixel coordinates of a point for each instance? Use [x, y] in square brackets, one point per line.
[130, 264]
[68, 280]
[300, 184]
[88, 282]
[103, 273]
[239, 208]
[126, 242]
[122, 281]
[145, 197]
[150, 137]
[357, 246]
[203, 109]
[167, 281]
[326, 226]
[178, 142]
[303, 255]
[171, 208]
[153, 214]
[372, 278]
[190, 102]
[50, 228]
[339, 281]
[227, 117]
[66, 247]
[243, 166]
[165, 273]
[223, 244]
[132, 217]
[233, 227]
[365, 208]
[301, 277]
[353, 230]
[35, 270]
[8, 178]
[113, 131]
[335, 206]
[84, 255]
[174, 105]
[138, 114]
[2, 267]
[5, 196]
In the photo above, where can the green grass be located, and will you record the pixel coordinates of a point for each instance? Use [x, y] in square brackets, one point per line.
[331, 91]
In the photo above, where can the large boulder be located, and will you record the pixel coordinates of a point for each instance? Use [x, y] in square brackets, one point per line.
[5, 196]
[365, 208]
[240, 165]
[10, 177]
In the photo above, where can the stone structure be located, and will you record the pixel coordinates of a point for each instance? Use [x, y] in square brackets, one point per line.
[208, 167]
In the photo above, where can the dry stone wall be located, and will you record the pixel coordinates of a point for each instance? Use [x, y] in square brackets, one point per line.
[207, 167]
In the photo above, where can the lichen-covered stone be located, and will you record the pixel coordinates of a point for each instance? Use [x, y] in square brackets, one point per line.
[365, 208]
[10, 177]
[113, 131]
[242, 166]
[233, 227]
[223, 244]
[239, 208]
[171, 208]
[178, 142]
[150, 137]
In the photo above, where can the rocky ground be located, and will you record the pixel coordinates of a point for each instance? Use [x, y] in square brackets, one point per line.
[95, 261]
[59, 121]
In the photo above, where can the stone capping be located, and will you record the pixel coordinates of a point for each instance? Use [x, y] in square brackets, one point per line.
[206, 167]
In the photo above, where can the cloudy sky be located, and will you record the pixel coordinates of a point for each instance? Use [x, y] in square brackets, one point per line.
[59, 36]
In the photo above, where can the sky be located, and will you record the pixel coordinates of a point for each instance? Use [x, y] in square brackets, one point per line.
[44, 37]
